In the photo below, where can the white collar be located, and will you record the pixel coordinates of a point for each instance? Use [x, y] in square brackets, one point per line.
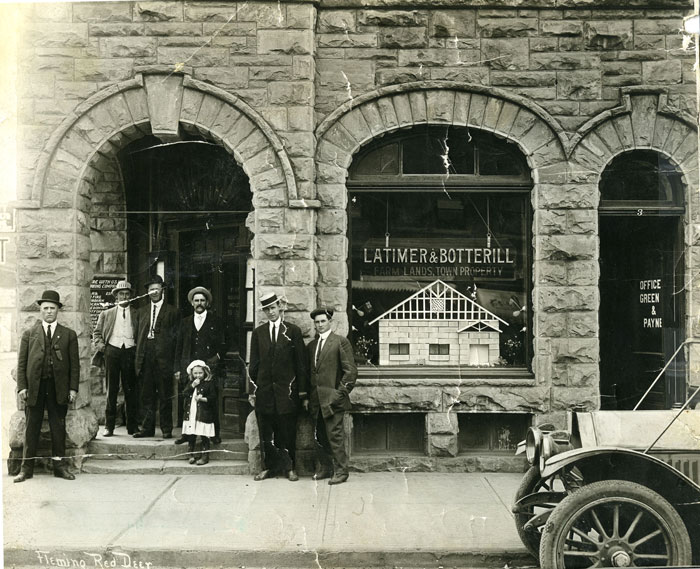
[275, 323]
[201, 316]
[325, 335]
[158, 304]
[47, 325]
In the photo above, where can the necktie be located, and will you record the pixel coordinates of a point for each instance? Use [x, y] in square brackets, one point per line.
[318, 351]
[48, 332]
[153, 322]
[124, 313]
[273, 334]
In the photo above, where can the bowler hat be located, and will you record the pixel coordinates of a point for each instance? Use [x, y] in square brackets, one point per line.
[199, 290]
[122, 285]
[268, 299]
[157, 279]
[326, 311]
[50, 296]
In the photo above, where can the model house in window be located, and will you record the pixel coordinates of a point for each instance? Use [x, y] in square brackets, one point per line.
[438, 325]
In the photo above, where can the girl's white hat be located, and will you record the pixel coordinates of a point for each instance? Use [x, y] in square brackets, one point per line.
[198, 363]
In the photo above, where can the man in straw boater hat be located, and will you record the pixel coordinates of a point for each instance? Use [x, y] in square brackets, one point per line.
[333, 375]
[279, 378]
[114, 337]
[48, 374]
[157, 325]
[202, 336]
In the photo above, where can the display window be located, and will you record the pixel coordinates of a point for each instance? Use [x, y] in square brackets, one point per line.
[439, 228]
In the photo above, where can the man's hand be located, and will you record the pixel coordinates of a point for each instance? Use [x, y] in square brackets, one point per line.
[251, 400]
[177, 376]
[305, 404]
[72, 395]
[23, 395]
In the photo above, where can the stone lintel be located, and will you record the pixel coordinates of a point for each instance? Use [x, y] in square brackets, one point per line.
[304, 204]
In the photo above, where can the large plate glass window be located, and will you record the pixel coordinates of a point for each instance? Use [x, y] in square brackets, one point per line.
[440, 254]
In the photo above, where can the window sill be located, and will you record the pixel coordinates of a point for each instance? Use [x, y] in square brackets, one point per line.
[444, 375]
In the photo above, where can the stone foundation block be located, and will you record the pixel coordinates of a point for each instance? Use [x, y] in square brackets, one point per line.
[443, 445]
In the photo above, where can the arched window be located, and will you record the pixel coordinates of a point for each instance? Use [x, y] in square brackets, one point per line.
[439, 226]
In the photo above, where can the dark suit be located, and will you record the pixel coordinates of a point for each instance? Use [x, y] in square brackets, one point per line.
[332, 379]
[154, 364]
[207, 344]
[119, 366]
[48, 376]
[279, 374]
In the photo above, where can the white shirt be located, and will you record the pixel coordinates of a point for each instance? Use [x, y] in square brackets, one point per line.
[158, 306]
[274, 329]
[199, 320]
[46, 326]
[321, 341]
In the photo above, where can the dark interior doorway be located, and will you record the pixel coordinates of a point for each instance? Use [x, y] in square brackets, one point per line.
[641, 282]
[187, 208]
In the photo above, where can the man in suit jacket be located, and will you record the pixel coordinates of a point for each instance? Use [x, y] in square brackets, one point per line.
[201, 337]
[157, 325]
[48, 374]
[333, 375]
[115, 337]
[279, 378]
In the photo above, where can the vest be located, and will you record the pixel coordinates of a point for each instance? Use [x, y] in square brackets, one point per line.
[47, 364]
[199, 347]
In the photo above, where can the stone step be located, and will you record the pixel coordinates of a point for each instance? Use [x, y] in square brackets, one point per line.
[125, 447]
[176, 467]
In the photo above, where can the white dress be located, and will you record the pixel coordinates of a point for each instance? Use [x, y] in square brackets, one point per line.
[193, 427]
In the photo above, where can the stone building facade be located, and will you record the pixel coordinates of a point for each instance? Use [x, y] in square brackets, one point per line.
[295, 93]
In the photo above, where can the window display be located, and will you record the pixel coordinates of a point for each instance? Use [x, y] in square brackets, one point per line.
[440, 261]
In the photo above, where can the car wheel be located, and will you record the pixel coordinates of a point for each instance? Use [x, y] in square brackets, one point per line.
[614, 523]
[533, 483]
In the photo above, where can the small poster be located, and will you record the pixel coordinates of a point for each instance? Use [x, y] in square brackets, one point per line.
[101, 294]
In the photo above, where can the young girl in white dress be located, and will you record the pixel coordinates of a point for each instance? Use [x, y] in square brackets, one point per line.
[200, 410]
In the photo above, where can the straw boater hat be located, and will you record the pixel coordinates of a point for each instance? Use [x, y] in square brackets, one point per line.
[327, 311]
[198, 363]
[122, 285]
[268, 299]
[199, 290]
[50, 296]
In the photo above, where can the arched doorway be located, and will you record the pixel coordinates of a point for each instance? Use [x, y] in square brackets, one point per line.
[187, 205]
[641, 281]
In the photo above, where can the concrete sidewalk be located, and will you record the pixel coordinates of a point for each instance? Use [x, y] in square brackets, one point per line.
[377, 519]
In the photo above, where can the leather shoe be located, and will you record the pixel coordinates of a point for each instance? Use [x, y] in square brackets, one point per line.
[320, 475]
[61, 472]
[108, 433]
[292, 475]
[338, 479]
[263, 474]
[143, 434]
[22, 476]
[181, 440]
[167, 435]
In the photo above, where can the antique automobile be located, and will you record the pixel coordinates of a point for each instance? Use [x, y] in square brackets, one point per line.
[616, 489]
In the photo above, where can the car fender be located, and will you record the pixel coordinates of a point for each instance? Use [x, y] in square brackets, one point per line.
[627, 464]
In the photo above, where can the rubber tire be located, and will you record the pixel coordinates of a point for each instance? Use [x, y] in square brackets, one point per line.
[528, 485]
[575, 502]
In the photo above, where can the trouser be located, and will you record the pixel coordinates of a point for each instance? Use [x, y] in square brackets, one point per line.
[278, 434]
[46, 399]
[156, 389]
[119, 365]
[329, 436]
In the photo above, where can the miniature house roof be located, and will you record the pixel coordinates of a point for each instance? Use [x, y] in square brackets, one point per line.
[440, 301]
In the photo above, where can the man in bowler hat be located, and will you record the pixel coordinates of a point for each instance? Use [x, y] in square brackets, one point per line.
[115, 337]
[48, 374]
[279, 378]
[156, 326]
[333, 375]
[202, 336]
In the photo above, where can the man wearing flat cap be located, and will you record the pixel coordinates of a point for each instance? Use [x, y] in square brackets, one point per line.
[333, 375]
[48, 374]
[115, 337]
[201, 337]
[278, 380]
[157, 325]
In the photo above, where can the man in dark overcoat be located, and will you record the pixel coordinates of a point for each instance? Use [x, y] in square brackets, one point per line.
[114, 337]
[202, 336]
[278, 379]
[157, 325]
[48, 375]
[333, 375]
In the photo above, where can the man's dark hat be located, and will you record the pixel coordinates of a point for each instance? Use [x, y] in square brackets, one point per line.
[157, 279]
[199, 290]
[50, 296]
[268, 299]
[327, 311]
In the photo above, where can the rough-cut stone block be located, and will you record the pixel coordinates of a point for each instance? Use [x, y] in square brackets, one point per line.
[102, 12]
[567, 299]
[285, 246]
[453, 24]
[57, 35]
[505, 54]
[608, 35]
[395, 18]
[331, 247]
[300, 273]
[287, 42]
[662, 72]
[336, 21]
[577, 85]
[403, 38]
[331, 221]
[268, 273]
[506, 28]
[103, 70]
[290, 92]
[32, 246]
[158, 11]
[210, 11]
[583, 324]
[127, 46]
[566, 247]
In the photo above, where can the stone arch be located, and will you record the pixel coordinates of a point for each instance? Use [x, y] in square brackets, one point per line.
[386, 110]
